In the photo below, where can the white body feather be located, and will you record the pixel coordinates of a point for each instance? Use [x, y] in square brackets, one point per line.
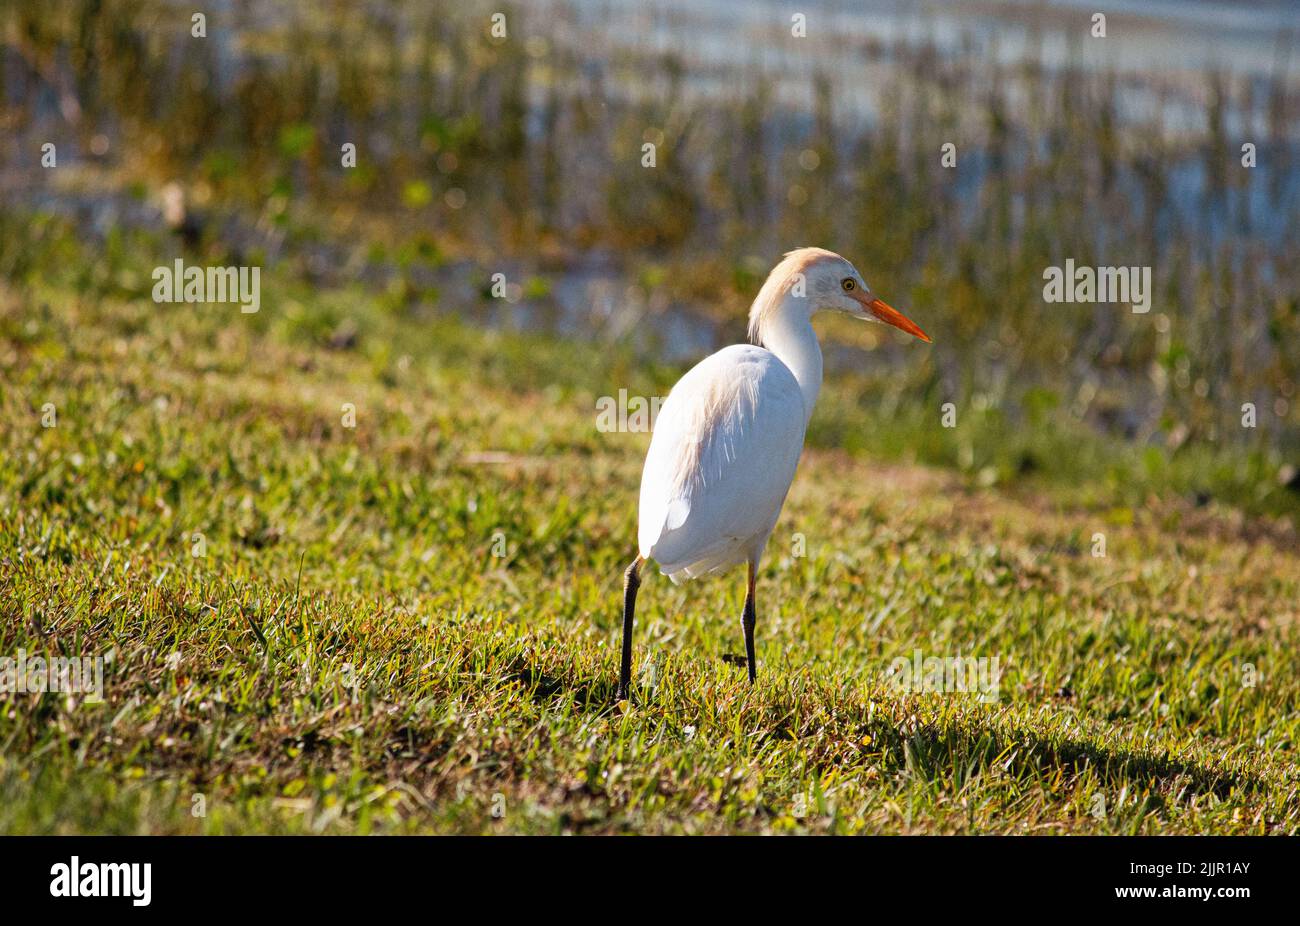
[725, 448]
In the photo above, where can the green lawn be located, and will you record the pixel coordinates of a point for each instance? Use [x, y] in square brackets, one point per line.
[349, 652]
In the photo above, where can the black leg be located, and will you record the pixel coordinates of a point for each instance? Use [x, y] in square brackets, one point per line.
[747, 621]
[631, 582]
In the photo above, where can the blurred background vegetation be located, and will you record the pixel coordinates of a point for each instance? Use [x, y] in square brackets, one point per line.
[522, 154]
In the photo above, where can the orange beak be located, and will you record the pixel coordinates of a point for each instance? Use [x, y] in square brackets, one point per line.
[891, 316]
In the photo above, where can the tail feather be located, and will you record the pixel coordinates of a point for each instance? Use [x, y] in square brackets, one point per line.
[717, 562]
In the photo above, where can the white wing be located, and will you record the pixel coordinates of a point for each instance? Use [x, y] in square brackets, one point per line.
[725, 447]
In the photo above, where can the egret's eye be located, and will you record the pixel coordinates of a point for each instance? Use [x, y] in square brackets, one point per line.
[848, 284]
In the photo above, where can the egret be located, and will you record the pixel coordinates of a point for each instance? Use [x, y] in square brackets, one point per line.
[728, 438]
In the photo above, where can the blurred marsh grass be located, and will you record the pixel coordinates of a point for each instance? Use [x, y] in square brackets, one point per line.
[529, 148]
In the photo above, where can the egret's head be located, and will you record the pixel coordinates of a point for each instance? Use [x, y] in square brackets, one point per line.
[813, 280]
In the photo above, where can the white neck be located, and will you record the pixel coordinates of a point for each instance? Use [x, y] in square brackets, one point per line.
[788, 333]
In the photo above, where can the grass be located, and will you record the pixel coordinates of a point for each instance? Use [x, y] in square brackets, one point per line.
[412, 625]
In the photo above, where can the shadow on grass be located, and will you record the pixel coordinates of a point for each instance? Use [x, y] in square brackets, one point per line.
[934, 750]
[1025, 753]
[544, 688]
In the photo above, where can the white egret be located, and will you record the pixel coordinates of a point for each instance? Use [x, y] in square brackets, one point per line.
[728, 438]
